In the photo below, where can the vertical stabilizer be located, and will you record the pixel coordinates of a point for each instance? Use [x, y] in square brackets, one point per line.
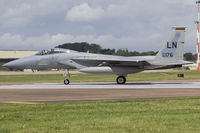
[173, 49]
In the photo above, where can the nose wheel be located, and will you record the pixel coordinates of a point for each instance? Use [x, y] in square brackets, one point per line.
[121, 80]
[66, 81]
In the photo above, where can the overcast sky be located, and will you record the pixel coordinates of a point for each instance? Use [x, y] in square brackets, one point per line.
[141, 25]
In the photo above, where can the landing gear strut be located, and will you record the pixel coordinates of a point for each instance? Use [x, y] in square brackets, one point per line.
[121, 80]
[66, 74]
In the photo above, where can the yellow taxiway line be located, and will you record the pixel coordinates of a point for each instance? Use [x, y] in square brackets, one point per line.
[16, 102]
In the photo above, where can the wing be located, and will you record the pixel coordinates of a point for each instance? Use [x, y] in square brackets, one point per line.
[110, 61]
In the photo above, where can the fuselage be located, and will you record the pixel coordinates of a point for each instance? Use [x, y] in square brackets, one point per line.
[54, 60]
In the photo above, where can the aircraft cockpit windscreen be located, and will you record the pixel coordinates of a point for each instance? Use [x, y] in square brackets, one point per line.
[52, 51]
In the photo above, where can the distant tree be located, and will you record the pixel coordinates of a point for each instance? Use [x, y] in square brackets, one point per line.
[134, 53]
[81, 47]
[189, 57]
[123, 52]
[108, 51]
[148, 53]
[94, 48]
[86, 47]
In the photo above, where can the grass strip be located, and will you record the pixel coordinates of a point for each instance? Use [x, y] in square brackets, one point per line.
[80, 77]
[139, 116]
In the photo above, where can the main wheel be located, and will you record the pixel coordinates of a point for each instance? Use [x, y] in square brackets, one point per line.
[121, 80]
[66, 81]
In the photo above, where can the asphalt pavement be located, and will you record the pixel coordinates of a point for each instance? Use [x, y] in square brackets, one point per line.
[79, 92]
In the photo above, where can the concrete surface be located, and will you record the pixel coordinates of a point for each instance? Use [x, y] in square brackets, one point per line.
[104, 85]
[76, 92]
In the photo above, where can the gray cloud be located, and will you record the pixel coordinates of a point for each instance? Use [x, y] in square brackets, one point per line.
[137, 25]
[84, 12]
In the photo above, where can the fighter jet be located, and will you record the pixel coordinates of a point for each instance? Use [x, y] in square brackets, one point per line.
[170, 56]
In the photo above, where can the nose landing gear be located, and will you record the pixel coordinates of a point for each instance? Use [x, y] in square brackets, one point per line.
[121, 80]
[66, 74]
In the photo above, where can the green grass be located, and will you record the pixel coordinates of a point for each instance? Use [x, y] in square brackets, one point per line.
[140, 116]
[145, 76]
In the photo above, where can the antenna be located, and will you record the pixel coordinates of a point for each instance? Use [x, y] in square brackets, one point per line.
[198, 35]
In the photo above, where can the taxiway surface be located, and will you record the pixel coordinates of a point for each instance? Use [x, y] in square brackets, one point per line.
[75, 92]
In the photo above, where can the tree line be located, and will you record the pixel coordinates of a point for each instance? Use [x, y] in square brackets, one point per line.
[96, 48]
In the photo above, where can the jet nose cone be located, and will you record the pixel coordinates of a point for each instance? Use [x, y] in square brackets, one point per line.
[7, 65]
[13, 65]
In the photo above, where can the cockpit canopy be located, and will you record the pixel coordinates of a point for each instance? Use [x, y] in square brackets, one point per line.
[54, 51]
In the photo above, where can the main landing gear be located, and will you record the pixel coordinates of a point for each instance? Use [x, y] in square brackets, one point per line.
[66, 74]
[121, 80]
